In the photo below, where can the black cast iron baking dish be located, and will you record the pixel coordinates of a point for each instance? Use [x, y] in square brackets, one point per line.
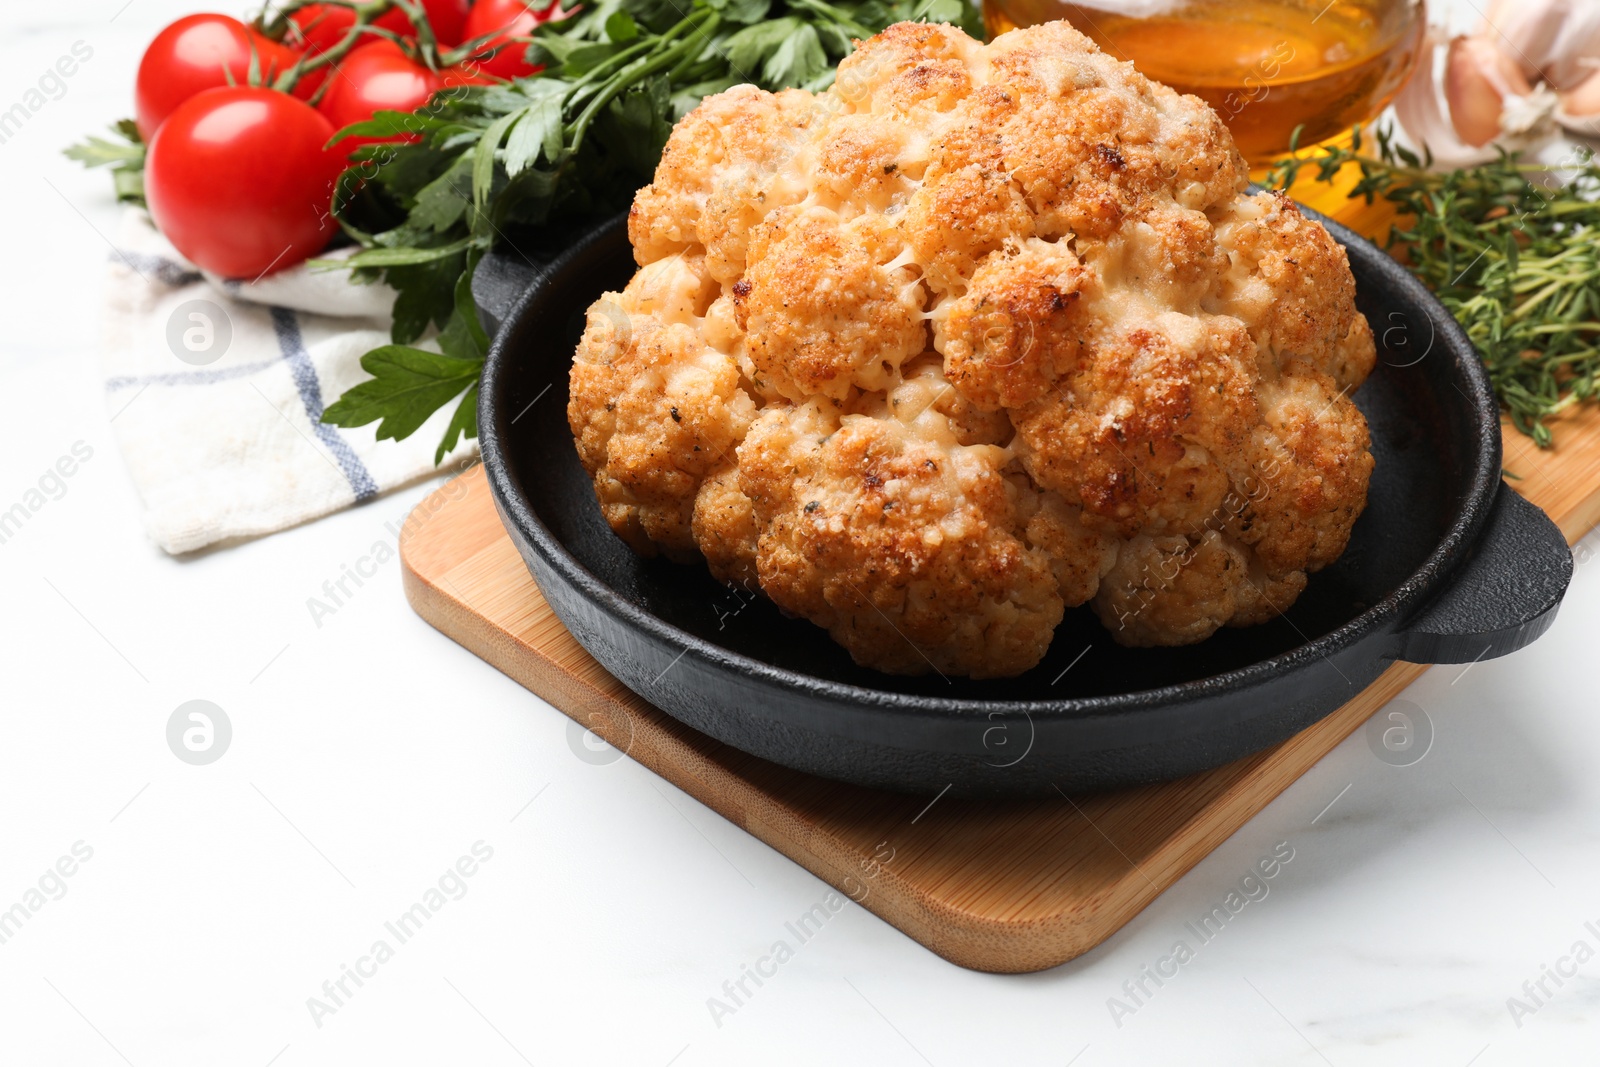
[1447, 565]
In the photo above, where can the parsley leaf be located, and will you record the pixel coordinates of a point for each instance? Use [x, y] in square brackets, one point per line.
[797, 60]
[407, 386]
[125, 157]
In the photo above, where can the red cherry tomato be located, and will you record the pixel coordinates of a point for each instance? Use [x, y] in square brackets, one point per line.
[238, 180]
[447, 17]
[381, 77]
[200, 52]
[512, 18]
[321, 26]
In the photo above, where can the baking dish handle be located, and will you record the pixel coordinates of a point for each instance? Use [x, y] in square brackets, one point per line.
[1502, 597]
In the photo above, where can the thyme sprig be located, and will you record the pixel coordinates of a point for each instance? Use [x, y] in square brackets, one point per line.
[1511, 248]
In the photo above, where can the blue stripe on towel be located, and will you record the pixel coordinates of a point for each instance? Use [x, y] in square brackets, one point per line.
[192, 377]
[292, 345]
[165, 270]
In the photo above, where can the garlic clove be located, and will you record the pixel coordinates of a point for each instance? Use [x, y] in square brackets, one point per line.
[1478, 77]
[1585, 99]
[1419, 108]
[1580, 107]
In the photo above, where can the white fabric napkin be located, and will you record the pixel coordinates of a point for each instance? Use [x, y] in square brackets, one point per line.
[215, 389]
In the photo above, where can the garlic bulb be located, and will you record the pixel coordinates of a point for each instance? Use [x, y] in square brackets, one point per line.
[1555, 41]
[1499, 87]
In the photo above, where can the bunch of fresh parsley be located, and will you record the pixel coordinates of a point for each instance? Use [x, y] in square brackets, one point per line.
[572, 142]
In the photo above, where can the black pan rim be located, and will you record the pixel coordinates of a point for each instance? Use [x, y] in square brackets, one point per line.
[1387, 615]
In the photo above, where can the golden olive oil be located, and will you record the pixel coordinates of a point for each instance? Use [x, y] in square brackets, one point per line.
[1266, 66]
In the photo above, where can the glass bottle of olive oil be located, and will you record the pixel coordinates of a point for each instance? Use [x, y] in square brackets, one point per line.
[1266, 66]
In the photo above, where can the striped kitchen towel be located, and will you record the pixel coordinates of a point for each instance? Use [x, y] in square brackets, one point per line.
[215, 389]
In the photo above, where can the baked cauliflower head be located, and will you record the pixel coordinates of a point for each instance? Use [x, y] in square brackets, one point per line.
[980, 333]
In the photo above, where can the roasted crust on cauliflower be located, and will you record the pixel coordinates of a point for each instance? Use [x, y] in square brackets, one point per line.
[981, 333]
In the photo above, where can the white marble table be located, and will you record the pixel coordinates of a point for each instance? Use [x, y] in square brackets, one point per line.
[370, 754]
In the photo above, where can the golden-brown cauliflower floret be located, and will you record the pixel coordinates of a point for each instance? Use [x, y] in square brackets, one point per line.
[1093, 140]
[1291, 286]
[1169, 585]
[1142, 432]
[898, 540]
[1311, 463]
[823, 306]
[923, 385]
[719, 175]
[918, 69]
[859, 164]
[725, 528]
[967, 204]
[1079, 556]
[981, 333]
[653, 408]
[1019, 326]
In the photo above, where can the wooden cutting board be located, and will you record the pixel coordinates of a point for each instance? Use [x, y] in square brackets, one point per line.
[1006, 886]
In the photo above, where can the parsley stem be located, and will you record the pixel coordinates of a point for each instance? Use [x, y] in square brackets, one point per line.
[643, 68]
